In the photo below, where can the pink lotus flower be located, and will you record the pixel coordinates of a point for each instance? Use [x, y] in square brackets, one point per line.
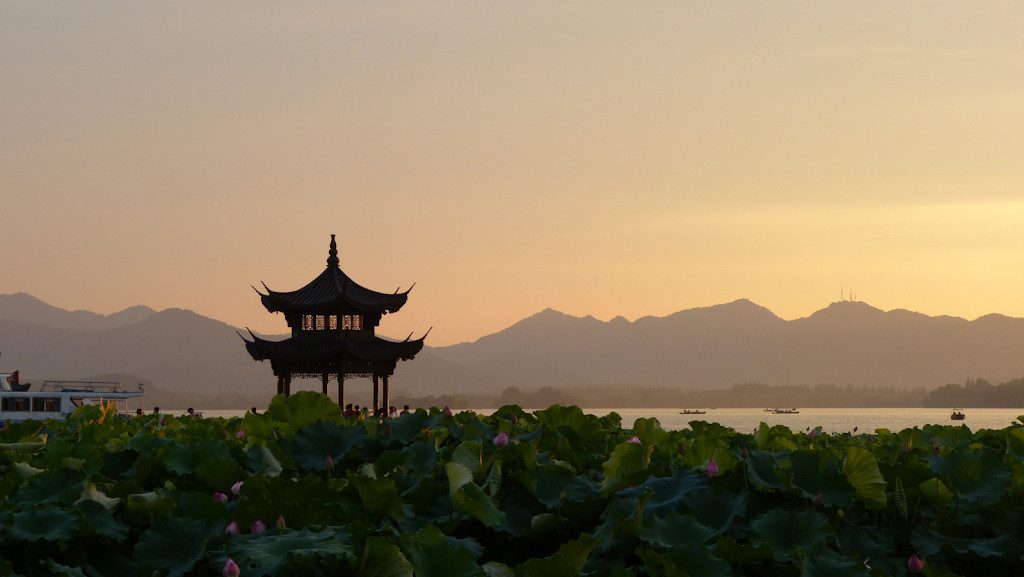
[915, 564]
[501, 440]
[811, 434]
[257, 527]
[634, 440]
[240, 434]
[447, 411]
[231, 569]
[820, 499]
[280, 526]
[232, 529]
[712, 469]
[237, 488]
[220, 497]
[329, 461]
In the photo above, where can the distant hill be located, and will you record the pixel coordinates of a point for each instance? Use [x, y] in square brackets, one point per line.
[184, 353]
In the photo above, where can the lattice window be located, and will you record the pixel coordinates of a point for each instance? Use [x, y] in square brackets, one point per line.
[307, 322]
[352, 322]
[332, 322]
[320, 322]
[357, 322]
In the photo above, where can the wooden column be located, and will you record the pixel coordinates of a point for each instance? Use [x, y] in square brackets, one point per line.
[280, 385]
[376, 402]
[288, 385]
[387, 397]
[341, 390]
[325, 379]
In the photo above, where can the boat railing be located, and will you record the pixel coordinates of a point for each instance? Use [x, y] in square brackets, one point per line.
[83, 386]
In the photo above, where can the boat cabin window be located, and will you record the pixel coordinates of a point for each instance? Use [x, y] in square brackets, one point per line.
[46, 404]
[9, 404]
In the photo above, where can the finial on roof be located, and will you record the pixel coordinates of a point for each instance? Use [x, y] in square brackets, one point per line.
[332, 259]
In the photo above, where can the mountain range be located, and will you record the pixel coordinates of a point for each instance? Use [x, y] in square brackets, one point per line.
[702, 348]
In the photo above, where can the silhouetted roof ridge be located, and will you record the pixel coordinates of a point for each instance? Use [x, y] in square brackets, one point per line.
[331, 288]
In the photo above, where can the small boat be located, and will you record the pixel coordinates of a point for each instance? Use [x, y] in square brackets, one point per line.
[958, 415]
[792, 411]
[57, 399]
[692, 412]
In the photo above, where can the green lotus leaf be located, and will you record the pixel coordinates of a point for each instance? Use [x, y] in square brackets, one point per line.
[831, 565]
[764, 472]
[379, 496]
[568, 561]
[875, 543]
[304, 501]
[976, 477]
[314, 442]
[261, 461]
[173, 545]
[144, 508]
[184, 458]
[495, 569]
[52, 486]
[302, 409]
[91, 493]
[937, 493]
[716, 508]
[383, 559]
[738, 555]
[469, 454]
[99, 521]
[668, 493]
[674, 530]
[469, 498]
[25, 471]
[649, 430]
[861, 470]
[47, 523]
[551, 480]
[626, 466]
[54, 568]
[433, 554]
[820, 473]
[220, 474]
[927, 542]
[685, 561]
[271, 554]
[407, 428]
[787, 530]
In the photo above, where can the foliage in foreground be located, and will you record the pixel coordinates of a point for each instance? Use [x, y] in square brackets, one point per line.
[555, 493]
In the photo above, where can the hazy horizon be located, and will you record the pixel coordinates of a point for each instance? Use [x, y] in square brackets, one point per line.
[600, 158]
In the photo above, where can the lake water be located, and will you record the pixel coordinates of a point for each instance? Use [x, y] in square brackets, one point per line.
[831, 420]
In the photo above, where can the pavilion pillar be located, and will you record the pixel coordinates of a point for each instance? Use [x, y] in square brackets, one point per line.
[376, 402]
[280, 385]
[325, 379]
[288, 385]
[341, 390]
[387, 397]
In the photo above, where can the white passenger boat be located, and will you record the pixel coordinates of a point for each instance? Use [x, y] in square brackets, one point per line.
[57, 399]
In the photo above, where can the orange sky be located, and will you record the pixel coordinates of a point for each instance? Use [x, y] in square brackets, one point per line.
[597, 158]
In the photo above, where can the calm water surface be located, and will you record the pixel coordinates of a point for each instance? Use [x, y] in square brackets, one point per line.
[831, 420]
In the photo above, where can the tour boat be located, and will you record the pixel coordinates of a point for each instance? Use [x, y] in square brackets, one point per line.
[692, 412]
[792, 411]
[57, 399]
[958, 415]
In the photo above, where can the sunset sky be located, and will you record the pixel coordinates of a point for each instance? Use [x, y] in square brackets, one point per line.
[604, 158]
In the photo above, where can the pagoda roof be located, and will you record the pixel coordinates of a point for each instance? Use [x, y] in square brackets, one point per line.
[359, 346]
[331, 289]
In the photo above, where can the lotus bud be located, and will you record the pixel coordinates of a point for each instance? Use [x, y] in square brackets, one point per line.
[257, 527]
[820, 499]
[447, 411]
[915, 564]
[712, 469]
[329, 461]
[232, 529]
[231, 569]
[501, 440]
[280, 526]
[220, 497]
[240, 434]
[812, 433]
[634, 440]
[237, 488]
